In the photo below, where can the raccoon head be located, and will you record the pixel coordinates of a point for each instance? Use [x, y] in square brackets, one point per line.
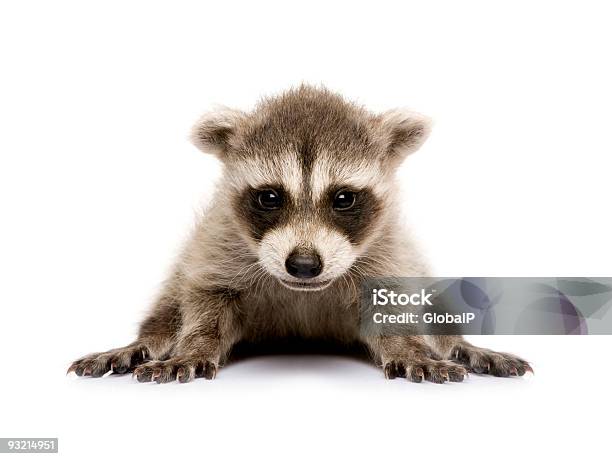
[310, 178]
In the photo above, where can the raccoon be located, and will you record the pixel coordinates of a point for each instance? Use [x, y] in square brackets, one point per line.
[305, 210]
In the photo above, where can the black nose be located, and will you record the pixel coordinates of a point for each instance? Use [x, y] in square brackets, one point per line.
[303, 265]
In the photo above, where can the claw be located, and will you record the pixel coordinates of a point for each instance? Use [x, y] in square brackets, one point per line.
[210, 371]
[156, 374]
[389, 372]
[71, 368]
[86, 371]
[445, 375]
[514, 371]
[528, 368]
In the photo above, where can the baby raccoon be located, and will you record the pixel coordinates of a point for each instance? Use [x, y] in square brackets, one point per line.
[305, 211]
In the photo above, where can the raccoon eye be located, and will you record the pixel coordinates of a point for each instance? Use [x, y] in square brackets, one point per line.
[269, 199]
[344, 200]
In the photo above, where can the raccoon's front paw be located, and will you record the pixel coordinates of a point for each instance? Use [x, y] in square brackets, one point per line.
[486, 361]
[120, 360]
[417, 369]
[181, 369]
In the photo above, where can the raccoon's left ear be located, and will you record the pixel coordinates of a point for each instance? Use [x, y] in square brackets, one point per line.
[214, 131]
[403, 132]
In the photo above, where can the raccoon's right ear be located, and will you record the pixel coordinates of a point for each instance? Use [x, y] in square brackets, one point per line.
[214, 131]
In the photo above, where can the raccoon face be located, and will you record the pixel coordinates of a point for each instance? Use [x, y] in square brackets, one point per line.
[311, 179]
[307, 240]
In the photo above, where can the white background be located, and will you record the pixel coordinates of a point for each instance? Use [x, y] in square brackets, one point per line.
[99, 186]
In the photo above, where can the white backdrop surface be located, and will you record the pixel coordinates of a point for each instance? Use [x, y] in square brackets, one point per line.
[99, 186]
